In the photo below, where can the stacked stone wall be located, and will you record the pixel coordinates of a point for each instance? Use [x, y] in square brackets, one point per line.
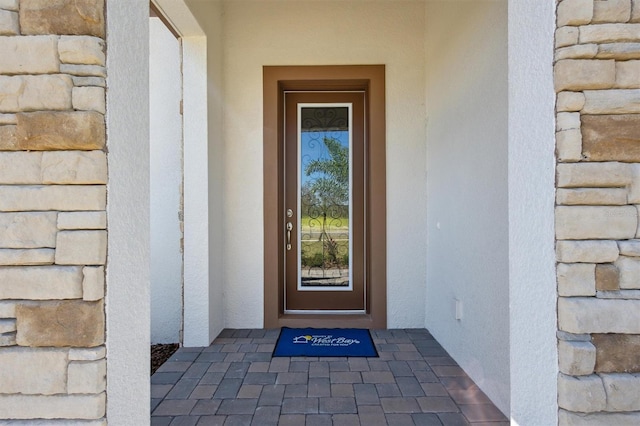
[597, 80]
[53, 238]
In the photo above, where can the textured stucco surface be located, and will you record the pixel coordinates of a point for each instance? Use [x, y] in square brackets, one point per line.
[165, 93]
[204, 176]
[467, 206]
[127, 299]
[532, 284]
[317, 33]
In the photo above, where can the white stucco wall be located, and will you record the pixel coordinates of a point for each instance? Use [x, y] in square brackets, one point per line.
[127, 289]
[201, 52]
[204, 174]
[216, 163]
[258, 33]
[165, 94]
[532, 300]
[467, 204]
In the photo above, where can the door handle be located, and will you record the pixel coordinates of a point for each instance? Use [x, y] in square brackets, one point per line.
[289, 229]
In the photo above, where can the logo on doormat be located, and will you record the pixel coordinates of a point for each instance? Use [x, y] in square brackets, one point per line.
[325, 340]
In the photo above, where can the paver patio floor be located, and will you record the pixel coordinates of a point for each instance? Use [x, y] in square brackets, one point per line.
[235, 381]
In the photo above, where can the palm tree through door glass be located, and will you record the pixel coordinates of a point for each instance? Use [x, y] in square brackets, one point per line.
[324, 202]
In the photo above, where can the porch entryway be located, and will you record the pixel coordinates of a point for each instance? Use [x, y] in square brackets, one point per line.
[469, 100]
[236, 381]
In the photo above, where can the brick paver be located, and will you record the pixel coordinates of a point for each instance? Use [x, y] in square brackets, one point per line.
[235, 381]
[337, 406]
[366, 394]
[319, 387]
[299, 405]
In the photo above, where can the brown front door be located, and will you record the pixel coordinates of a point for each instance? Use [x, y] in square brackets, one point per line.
[324, 220]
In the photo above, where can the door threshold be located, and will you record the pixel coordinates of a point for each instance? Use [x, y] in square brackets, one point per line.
[360, 320]
[324, 312]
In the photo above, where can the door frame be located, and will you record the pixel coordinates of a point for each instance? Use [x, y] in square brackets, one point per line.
[277, 80]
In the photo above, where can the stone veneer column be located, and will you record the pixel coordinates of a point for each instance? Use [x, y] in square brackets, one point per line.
[53, 175]
[597, 80]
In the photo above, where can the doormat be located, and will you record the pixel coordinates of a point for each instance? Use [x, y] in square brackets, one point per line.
[356, 342]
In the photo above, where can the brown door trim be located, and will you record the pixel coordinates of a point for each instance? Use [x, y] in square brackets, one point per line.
[277, 80]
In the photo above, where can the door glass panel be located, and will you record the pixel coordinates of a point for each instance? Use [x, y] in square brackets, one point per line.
[324, 196]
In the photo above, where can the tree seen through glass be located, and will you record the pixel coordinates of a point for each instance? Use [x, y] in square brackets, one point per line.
[324, 197]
